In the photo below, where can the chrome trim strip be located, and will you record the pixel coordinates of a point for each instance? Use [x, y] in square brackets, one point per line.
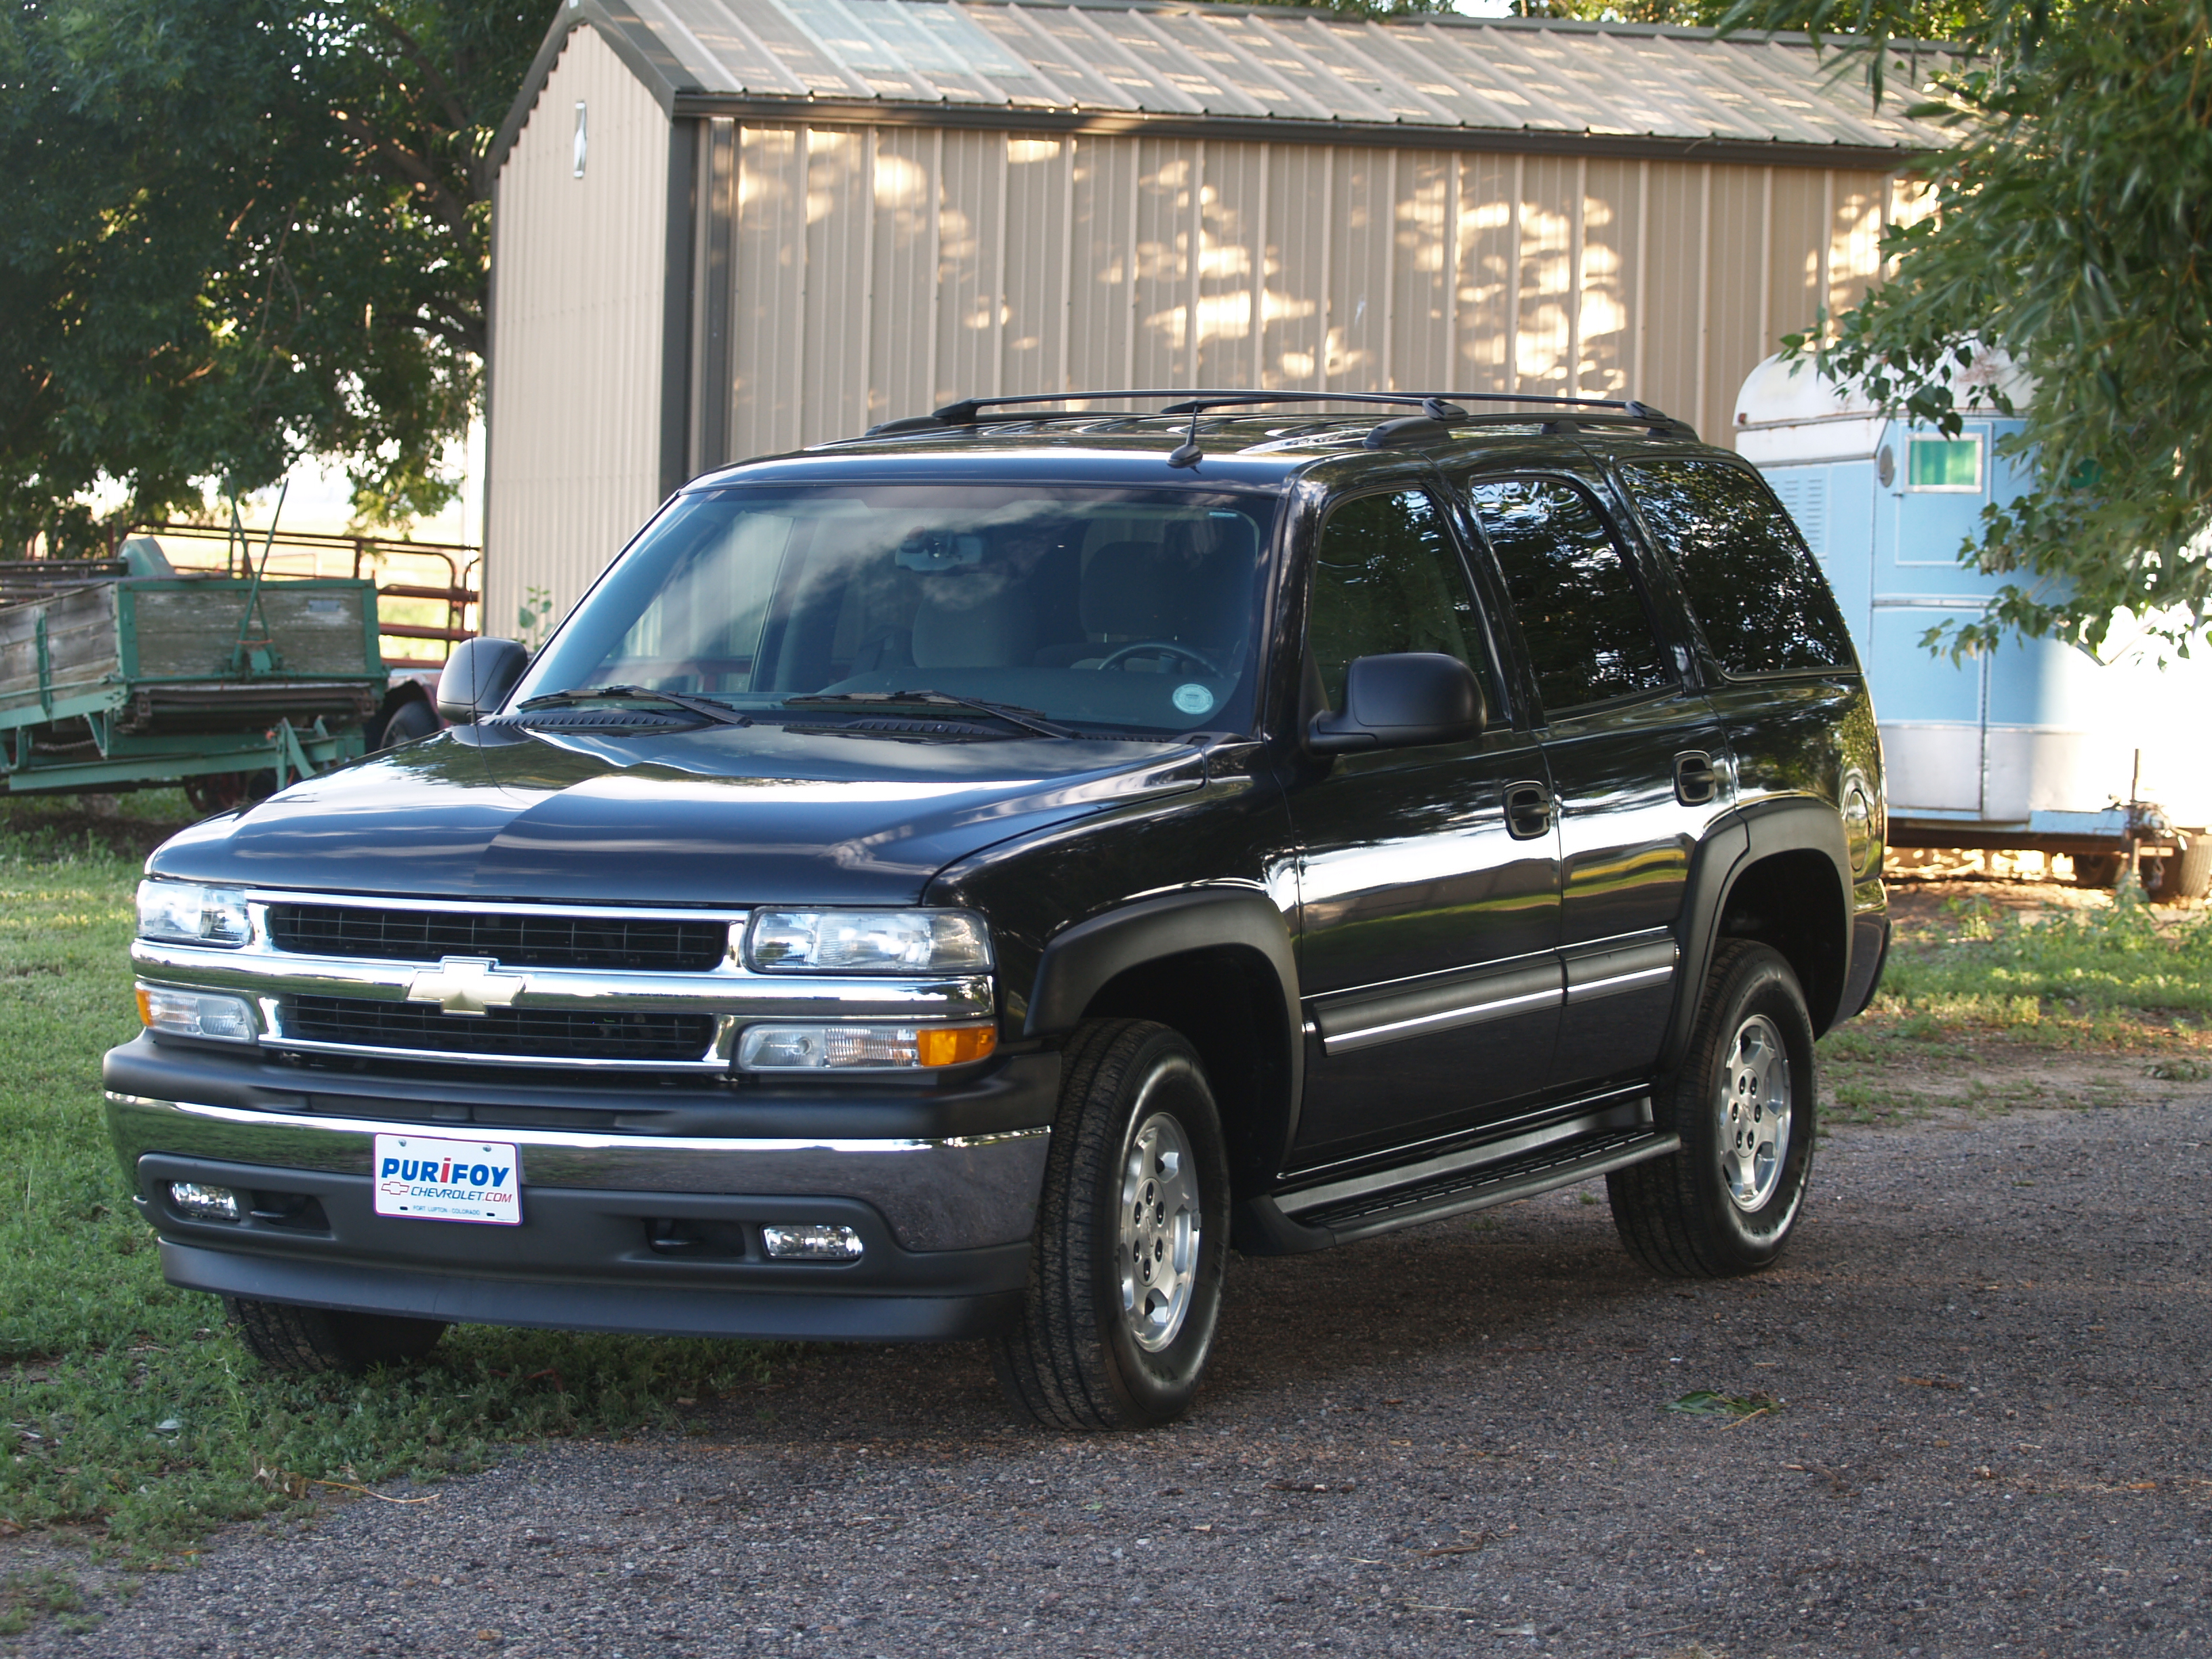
[756, 996]
[1591, 990]
[575, 1139]
[1438, 1002]
[1449, 1019]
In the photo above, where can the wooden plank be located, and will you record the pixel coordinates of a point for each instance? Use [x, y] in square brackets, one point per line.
[191, 632]
[80, 640]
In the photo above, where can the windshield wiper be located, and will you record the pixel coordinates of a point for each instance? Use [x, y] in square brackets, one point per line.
[1031, 720]
[720, 714]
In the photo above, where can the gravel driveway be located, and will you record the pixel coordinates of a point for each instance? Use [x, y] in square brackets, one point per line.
[1989, 1439]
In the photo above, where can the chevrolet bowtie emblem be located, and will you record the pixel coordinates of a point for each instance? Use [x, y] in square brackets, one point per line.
[467, 985]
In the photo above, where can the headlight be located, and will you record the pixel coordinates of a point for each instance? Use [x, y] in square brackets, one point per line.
[185, 913]
[196, 1014]
[842, 1047]
[868, 942]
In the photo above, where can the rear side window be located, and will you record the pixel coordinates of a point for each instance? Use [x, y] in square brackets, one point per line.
[1752, 584]
[1588, 635]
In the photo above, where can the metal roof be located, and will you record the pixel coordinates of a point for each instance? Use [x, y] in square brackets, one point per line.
[1274, 72]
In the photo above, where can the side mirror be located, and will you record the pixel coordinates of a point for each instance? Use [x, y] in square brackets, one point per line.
[1401, 702]
[477, 677]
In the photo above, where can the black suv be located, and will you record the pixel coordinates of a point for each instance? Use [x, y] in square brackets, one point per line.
[962, 881]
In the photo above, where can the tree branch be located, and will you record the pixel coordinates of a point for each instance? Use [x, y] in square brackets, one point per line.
[409, 167]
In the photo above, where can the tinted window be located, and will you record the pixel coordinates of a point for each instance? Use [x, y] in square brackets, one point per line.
[1113, 607]
[1385, 579]
[1745, 570]
[1588, 636]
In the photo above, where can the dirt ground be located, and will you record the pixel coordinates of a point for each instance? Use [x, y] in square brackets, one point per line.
[1964, 1417]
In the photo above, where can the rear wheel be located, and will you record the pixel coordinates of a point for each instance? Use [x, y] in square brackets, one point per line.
[310, 1341]
[221, 792]
[2189, 871]
[1744, 1106]
[412, 719]
[1125, 1276]
[2096, 869]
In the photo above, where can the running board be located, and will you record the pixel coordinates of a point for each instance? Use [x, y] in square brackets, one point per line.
[1558, 1164]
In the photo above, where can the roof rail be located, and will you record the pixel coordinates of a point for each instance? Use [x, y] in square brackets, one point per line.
[1440, 407]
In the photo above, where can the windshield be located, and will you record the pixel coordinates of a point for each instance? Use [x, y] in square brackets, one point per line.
[1101, 608]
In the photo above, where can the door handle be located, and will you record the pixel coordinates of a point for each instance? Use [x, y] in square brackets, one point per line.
[1527, 810]
[1695, 783]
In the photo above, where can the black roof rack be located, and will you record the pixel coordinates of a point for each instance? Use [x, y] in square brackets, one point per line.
[1437, 408]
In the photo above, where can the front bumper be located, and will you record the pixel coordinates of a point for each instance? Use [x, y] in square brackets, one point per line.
[945, 1221]
[784, 1316]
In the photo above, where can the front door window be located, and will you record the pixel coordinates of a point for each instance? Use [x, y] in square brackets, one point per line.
[1427, 922]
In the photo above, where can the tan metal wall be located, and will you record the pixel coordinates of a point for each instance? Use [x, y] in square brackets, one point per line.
[861, 274]
[577, 268]
[879, 272]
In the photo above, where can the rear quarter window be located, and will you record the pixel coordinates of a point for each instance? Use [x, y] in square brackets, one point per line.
[1750, 580]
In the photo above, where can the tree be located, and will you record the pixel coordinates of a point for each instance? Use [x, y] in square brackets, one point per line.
[2072, 231]
[234, 232]
[1370, 8]
[1921, 20]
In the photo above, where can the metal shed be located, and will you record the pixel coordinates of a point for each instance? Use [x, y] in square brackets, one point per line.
[724, 228]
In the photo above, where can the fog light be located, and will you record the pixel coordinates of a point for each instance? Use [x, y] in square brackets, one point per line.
[205, 1203]
[813, 1242]
[196, 1014]
[862, 1048]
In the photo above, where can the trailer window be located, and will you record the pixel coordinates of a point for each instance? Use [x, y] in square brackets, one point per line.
[1945, 464]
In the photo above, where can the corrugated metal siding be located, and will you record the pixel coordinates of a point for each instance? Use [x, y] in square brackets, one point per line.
[880, 273]
[577, 333]
[854, 265]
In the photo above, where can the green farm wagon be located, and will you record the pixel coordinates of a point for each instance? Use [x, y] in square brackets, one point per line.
[111, 681]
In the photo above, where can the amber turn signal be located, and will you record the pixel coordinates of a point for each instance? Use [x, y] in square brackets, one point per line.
[956, 1045]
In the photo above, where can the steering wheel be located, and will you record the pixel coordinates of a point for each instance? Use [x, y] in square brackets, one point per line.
[1136, 646]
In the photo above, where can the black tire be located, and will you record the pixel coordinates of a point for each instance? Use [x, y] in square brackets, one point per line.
[223, 792]
[1680, 1215]
[2189, 872]
[1081, 1357]
[312, 1341]
[2096, 869]
[413, 719]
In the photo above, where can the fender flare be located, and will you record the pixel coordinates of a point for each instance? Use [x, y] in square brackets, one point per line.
[1079, 961]
[1740, 840]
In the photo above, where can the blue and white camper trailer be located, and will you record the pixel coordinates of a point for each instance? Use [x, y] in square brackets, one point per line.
[2036, 745]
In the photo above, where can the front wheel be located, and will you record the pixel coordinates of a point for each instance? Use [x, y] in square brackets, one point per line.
[1125, 1273]
[301, 1341]
[1744, 1105]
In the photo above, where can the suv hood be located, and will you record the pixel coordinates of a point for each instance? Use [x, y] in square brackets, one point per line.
[723, 815]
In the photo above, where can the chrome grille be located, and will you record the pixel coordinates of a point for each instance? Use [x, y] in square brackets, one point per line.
[650, 945]
[625, 1035]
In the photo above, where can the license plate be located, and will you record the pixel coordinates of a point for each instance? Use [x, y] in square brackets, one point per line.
[428, 1180]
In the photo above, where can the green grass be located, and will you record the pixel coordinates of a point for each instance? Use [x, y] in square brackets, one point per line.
[1968, 1003]
[135, 1423]
[1998, 968]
